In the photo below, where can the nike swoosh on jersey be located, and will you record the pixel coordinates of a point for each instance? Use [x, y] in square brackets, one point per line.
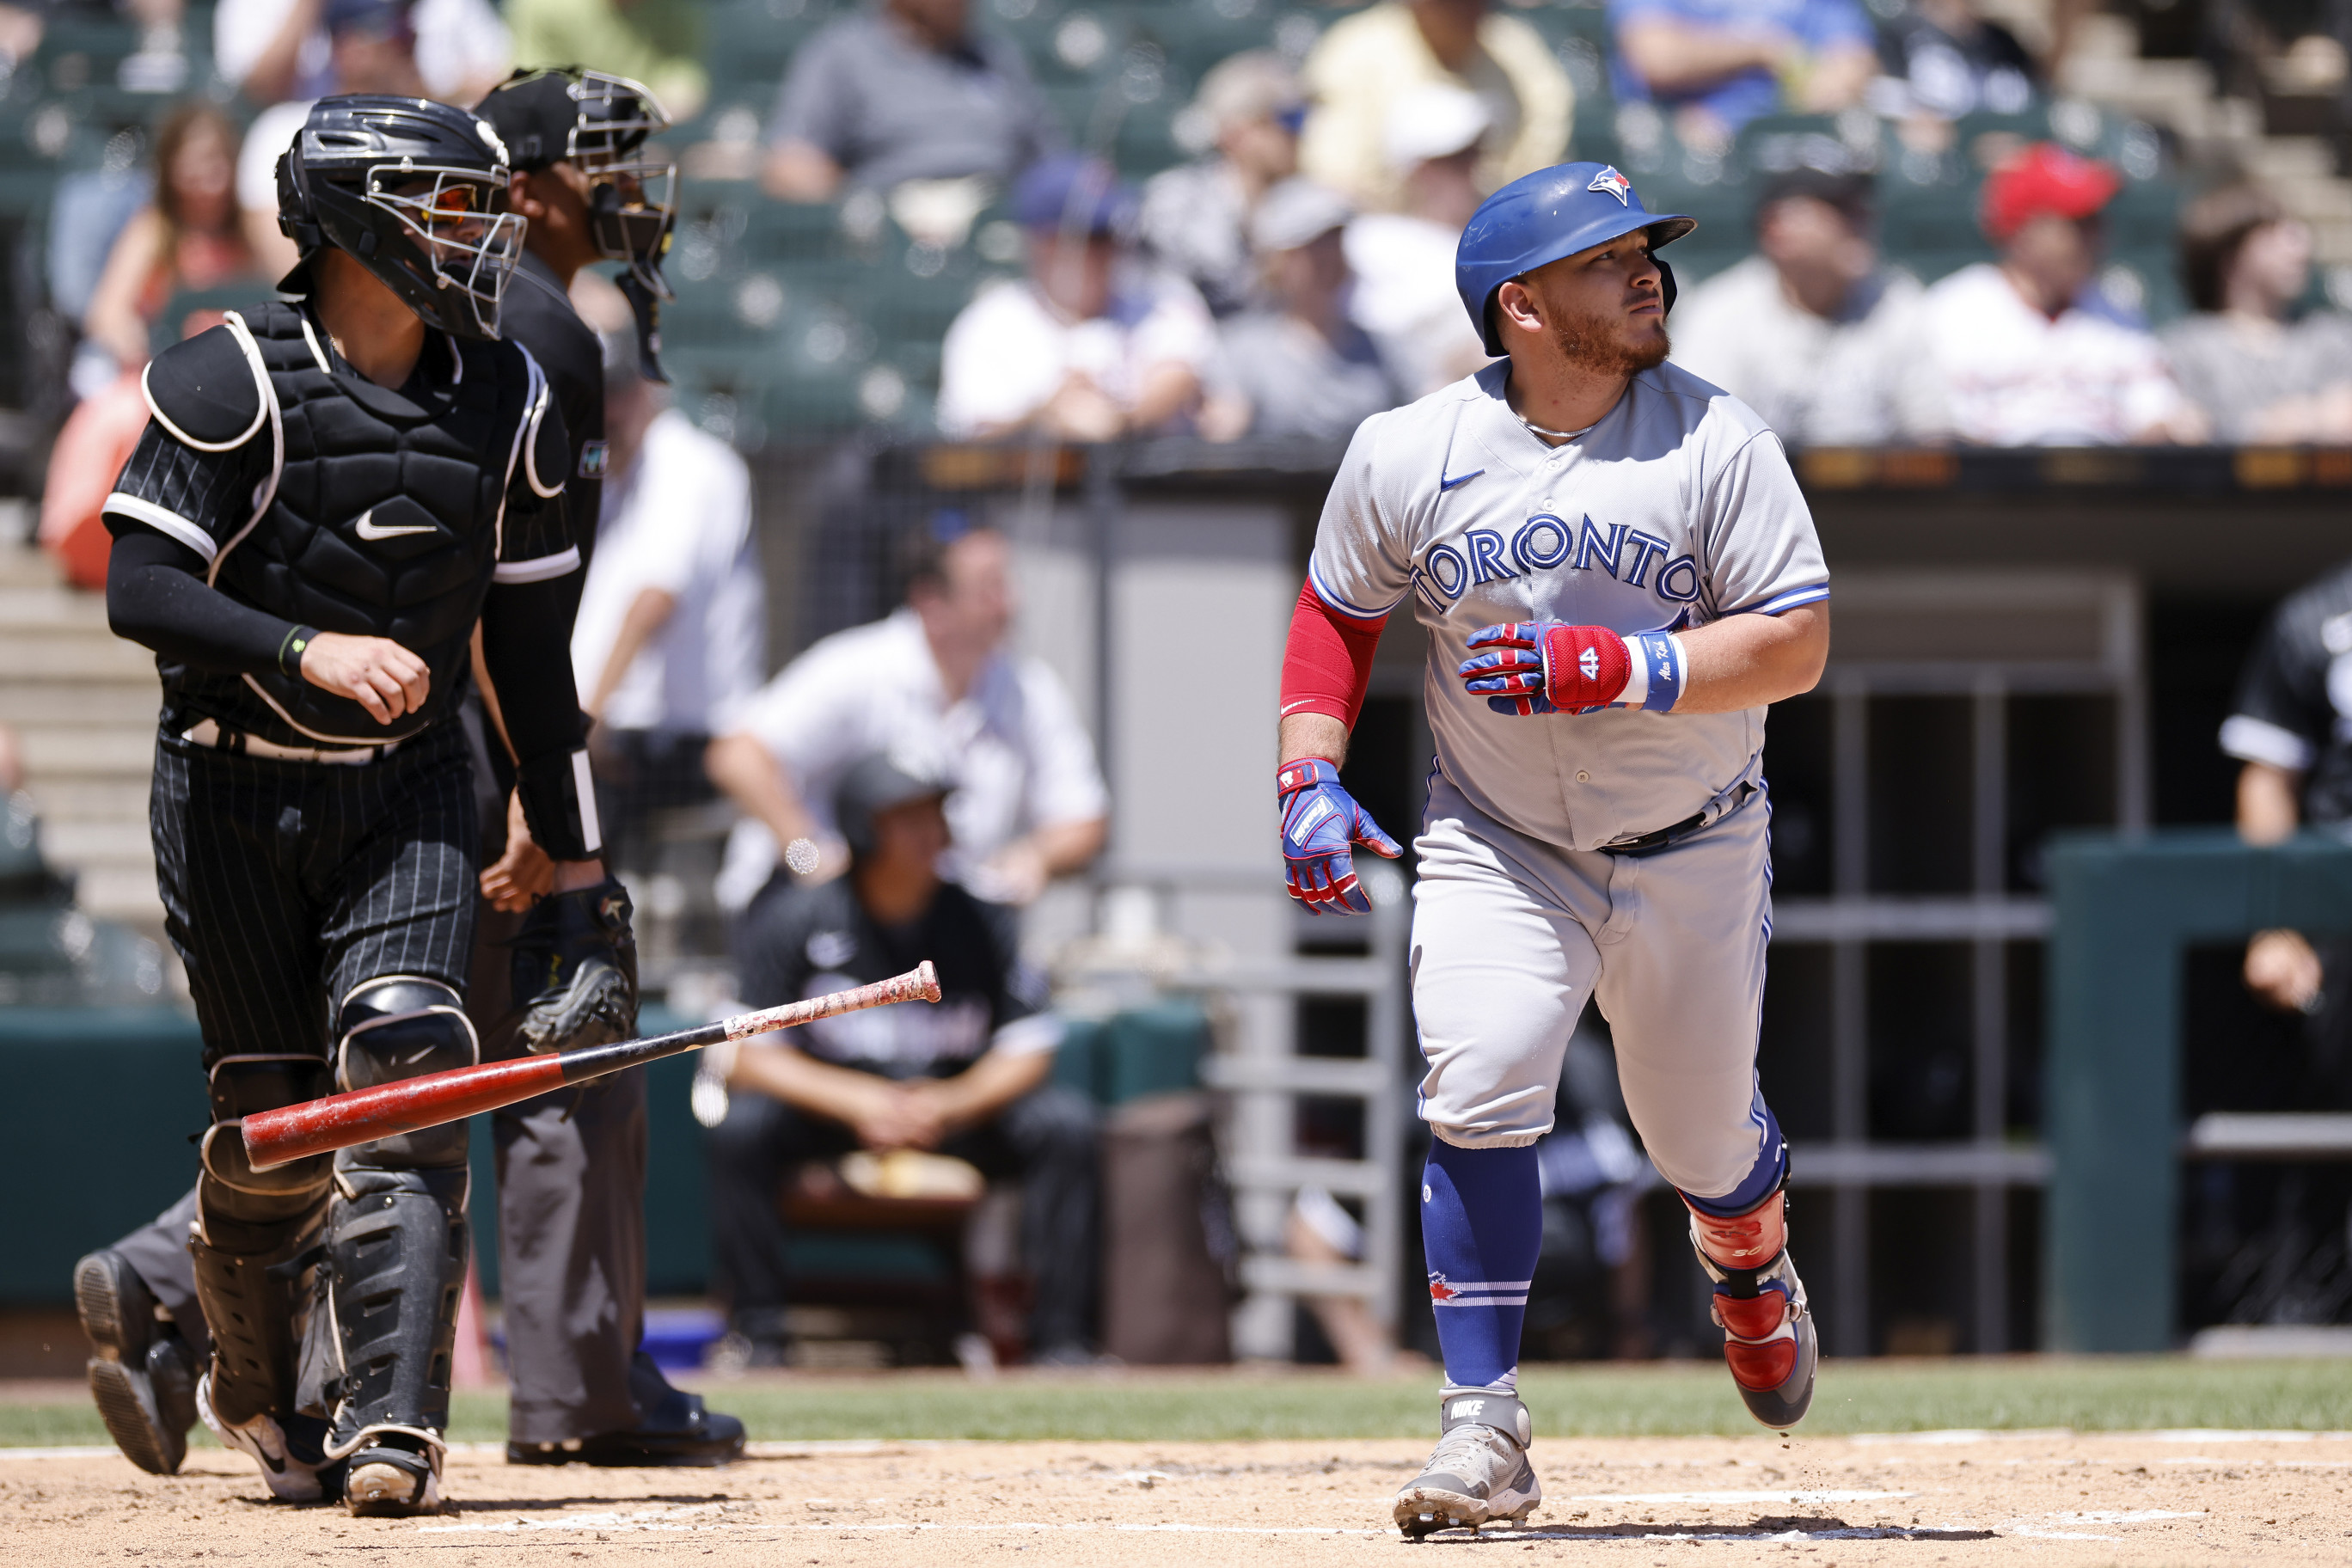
[366, 528]
[1444, 484]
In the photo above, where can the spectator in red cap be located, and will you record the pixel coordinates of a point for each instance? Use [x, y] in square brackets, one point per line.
[2024, 361]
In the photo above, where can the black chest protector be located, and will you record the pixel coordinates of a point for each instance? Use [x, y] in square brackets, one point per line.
[379, 514]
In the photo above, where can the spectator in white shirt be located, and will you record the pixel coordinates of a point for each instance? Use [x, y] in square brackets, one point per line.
[274, 50]
[670, 641]
[1093, 344]
[1810, 331]
[1404, 261]
[2024, 362]
[934, 686]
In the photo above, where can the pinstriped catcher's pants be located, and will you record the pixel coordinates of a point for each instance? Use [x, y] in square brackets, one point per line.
[286, 884]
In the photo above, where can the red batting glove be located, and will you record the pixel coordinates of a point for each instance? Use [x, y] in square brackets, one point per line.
[1546, 667]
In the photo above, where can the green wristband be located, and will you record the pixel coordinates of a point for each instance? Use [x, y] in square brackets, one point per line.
[290, 652]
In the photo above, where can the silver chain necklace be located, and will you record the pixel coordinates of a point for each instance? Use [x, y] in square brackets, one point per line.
[1554, 434]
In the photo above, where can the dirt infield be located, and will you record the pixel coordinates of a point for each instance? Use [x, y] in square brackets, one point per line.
[1936, 1497]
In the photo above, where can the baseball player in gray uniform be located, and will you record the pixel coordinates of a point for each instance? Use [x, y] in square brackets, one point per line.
[1617, 573]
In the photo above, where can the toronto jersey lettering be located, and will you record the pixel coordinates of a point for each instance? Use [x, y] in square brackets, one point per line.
[1677, 508]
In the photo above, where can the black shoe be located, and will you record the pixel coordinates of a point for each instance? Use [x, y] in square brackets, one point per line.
[674, 1430]
[143, 1376]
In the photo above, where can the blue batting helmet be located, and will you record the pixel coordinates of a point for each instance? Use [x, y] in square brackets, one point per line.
[1539, 218]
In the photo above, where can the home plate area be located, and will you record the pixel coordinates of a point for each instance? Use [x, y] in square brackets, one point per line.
[1954, 1498]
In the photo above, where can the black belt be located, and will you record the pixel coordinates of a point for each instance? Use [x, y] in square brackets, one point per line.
[1651, 843]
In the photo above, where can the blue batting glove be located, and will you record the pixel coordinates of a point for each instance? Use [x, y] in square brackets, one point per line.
[1321, 826]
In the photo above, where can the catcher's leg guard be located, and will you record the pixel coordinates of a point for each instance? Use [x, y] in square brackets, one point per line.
[1769, 1340]
[254, 1252]
[396, 1259]
[396, 1253]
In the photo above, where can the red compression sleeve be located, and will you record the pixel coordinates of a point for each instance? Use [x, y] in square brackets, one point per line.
[1328, 662]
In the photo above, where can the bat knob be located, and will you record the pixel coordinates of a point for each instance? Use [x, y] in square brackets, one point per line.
[927, 981]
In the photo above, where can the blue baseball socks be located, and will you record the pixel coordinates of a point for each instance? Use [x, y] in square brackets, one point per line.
[1481, 1229]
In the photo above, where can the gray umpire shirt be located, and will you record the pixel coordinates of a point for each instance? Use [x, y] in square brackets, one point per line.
[887, 109]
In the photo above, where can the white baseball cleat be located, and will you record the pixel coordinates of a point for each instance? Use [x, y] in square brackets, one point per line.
[293, 1469]
[1479, 1473]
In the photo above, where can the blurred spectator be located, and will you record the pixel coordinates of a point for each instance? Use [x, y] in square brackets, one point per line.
[370, 48]
[934, 684]
[1297, 366]
[274, 50]
[1320, 1233]
[1404, 261]
[2259, 372]
[657, 42]
[1940, 60]
[1195, 218]
[186, 238]
[965, 1078]
[2029, 354]
[1715, 64]
[1810, 331]
[1094, 344]
[907, 91]
[671, 635]
[1369, 61]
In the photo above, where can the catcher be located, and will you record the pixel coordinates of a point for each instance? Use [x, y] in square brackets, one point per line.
[329, 497]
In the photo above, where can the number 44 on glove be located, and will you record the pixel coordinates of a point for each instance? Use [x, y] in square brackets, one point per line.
[1321, 826]
[1548, 666]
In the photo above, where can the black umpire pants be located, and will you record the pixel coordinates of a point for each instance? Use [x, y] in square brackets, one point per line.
[1048, 1140]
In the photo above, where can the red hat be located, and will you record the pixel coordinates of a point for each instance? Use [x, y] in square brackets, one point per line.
[2044, 178]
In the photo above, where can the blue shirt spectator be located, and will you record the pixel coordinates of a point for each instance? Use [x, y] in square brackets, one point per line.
[1718, 64]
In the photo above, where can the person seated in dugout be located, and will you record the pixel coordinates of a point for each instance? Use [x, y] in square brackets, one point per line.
[966, 1078]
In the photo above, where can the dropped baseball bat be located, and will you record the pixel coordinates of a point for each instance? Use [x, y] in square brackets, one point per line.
[413, 1104]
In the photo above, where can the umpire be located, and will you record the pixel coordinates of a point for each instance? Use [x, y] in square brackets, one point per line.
[334, 499]
[572, 1166]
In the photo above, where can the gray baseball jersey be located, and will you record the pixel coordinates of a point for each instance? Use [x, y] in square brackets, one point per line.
[1677, 508]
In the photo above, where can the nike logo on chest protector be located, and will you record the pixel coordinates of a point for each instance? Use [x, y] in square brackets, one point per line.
[368, 528]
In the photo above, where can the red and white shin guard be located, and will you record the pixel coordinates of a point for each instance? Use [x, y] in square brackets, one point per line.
[1759, 1303]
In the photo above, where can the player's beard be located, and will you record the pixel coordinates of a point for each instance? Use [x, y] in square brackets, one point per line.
[1597, 344]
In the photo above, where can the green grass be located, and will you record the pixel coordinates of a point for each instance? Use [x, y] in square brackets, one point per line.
[2086, 1394]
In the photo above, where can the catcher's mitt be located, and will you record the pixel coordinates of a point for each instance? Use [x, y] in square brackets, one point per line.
[575, 969]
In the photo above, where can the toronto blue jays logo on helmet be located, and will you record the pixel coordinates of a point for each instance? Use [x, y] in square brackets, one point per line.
[1614, 182]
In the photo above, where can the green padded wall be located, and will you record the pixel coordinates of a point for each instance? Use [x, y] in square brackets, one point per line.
[2124, 908]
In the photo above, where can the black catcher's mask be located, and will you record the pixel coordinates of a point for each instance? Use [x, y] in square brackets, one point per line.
[416, 192]
[600, 124]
